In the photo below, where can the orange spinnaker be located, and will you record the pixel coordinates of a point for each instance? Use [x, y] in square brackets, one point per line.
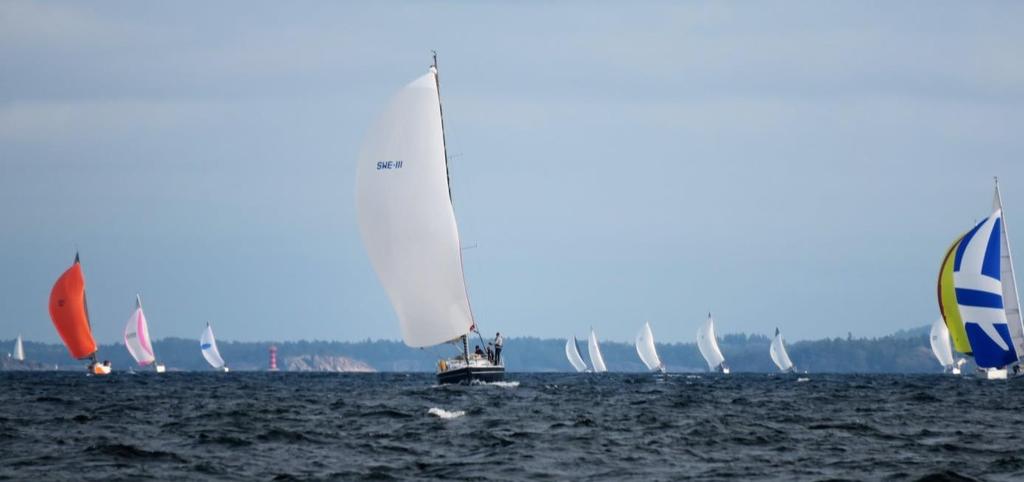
[69, 313]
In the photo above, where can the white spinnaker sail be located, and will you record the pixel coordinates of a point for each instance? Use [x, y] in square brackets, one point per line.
[136, 336]
[1011, 304]
[572, 352]
[940, 343]
[406, 217]
[645, 348]
[778, 353]
[596, 360]
[708, 344]
[209, 346]
[19, 350]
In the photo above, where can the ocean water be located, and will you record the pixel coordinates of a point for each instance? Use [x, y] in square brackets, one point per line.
[288, 426]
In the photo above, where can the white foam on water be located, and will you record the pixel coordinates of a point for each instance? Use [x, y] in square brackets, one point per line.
[496, 384]
[691, 377]
[445, 414]
[504, 384]
[802, 379]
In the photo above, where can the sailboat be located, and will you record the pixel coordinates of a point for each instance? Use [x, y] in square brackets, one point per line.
[208, 344]
[596, 360]
[977, 292]
[778, 352]
[407, 222]
[941, 348]
[70, 315]
[645, 348]
[708, 345]
[19, 350]
[137, 340]
[572, 352]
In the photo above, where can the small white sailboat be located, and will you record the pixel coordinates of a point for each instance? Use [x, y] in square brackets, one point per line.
[208, 344]
[978, 298]
[407, 222]
[572, 352]
[779, 355]
[19, 350]
[137, 340]
[708, 345]
[645, 348]
[942, 349]
[596, 360]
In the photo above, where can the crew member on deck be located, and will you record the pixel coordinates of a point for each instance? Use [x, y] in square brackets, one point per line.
[478, 351]
[498, 342]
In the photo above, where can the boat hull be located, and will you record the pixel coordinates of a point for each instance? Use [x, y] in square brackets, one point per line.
[469, 374]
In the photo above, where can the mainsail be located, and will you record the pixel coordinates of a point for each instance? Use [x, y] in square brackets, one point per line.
[940, 344]
[974, 296]
[572, 352]
[70, 314]
[596, 360]
[19, 350]
[407, 220]
[778, 353]
[136, 336]
[708, 345]
[1011, 302]
[209, 347]
[645, 348]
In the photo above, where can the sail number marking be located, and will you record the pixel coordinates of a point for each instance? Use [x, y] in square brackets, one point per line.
[389, 165]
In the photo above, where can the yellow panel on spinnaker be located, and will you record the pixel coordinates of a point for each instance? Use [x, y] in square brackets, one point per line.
[947, 302]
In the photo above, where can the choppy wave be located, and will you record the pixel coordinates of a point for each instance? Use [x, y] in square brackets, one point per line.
[445, 414]
[550, 426]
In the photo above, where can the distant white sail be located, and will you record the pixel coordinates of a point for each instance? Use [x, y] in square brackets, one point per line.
[941, 348]
[406, 217]
[645, 348]
[19, 350]
[136, 336]
[596, 360]
[708, 345]
[209, 347]
[778, 352]
[572, 352]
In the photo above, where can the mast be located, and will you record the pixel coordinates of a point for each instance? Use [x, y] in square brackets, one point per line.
[1012, 306]
[444, 142]
[448, 178]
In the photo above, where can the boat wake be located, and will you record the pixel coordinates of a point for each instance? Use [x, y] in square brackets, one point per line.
[445, 414]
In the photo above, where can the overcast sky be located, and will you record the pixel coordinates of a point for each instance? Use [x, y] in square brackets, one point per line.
[795, 165]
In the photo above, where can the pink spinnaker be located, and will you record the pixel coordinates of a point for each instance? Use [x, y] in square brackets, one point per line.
[136, 336]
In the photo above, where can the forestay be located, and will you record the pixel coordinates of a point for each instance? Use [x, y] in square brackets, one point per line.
[940, 343]
[572, 352]
[209, 347]
[778, 353]
[136, 336]
[406, 217]
[708, 344]
[645, 348]
[596, 360]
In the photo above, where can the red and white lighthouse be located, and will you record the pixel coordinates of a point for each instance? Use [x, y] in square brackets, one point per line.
[273, 358]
